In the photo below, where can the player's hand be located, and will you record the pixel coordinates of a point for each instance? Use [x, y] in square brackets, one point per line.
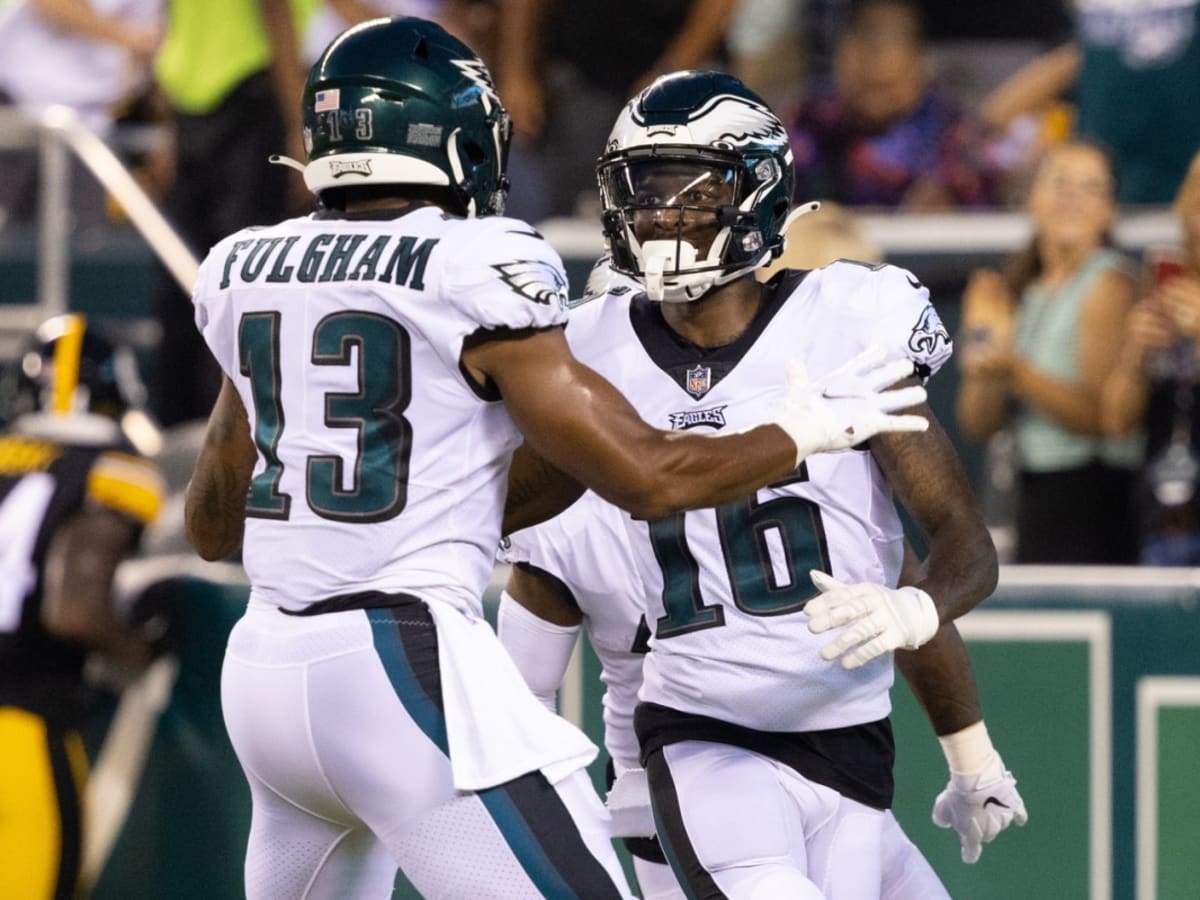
[848, 405]
[877, 619]
[979, 806]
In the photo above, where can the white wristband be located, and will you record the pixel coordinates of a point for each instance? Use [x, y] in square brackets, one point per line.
[969, 750]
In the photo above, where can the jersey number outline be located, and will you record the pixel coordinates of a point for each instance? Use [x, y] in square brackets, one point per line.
[379, 488]
[756, 537]
[22, 512]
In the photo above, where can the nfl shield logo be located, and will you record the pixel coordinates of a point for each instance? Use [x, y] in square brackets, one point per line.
[699, 380]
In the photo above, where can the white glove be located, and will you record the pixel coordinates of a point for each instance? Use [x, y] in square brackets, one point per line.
[979, 806]
[877, 618]
[848, 405]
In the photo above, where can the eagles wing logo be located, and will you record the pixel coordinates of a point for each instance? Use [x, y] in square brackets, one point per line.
[738, 121]
[535, 280]
[929, 334]
[477, 73]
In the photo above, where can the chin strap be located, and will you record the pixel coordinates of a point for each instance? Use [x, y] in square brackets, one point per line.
[277, 159]
[802, 210]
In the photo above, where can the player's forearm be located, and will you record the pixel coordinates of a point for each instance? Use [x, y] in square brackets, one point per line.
[668, 472]
[940, 677]
[537, 491]
[214, 514]
[961, 570]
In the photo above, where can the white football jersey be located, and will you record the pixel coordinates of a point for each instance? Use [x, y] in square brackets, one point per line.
[587, 549]
[381, 466]
[726, 587]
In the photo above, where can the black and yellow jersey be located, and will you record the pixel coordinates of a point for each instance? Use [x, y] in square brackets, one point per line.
[51, 469]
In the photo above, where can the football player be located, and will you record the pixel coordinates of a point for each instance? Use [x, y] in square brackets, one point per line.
[74, 497]
[762, 716]
[578, 570]
[382, 358]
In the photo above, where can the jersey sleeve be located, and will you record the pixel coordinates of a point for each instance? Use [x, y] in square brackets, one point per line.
[212, 309]
[505, 276]
[127, 484]
[891, 308]
[540, 546]
[908, 322]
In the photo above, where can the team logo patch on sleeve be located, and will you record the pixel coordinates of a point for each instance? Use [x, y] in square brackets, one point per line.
[535, 280]
[929, 334]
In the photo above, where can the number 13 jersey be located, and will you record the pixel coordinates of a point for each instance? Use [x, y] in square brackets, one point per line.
[725, 588]
[382, 466]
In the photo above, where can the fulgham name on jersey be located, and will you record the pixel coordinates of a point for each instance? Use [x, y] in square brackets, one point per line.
[330, 257]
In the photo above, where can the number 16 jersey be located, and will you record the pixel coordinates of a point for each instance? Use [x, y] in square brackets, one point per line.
[725, 588]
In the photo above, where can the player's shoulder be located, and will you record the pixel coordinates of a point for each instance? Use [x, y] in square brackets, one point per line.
[864, 286]
[495, 235]
[884, 304]
[128, 483]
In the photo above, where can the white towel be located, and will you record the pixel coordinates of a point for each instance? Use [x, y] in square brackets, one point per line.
[497, 730]
[629, 804]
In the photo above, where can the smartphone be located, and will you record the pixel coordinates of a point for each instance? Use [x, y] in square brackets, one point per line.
[1165, 264]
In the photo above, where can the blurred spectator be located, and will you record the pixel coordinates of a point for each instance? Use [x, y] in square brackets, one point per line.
[818, 238]
[74, 496]
[1036, 347]
[594, 56]
[231, 71]
[1134, 68]
[474, 22]
[882, 133]
[767, 49]
[332, 17]
[1156, 383]
[90, 55]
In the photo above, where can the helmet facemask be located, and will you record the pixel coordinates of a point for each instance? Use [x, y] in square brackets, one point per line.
[683, 220]
[670, 148]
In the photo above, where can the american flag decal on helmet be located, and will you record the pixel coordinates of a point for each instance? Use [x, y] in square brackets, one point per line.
[327, 100]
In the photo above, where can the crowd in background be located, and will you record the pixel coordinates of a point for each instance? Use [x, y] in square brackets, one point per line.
[1067, 110]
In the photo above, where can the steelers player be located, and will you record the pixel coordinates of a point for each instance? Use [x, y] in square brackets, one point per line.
[74, 497]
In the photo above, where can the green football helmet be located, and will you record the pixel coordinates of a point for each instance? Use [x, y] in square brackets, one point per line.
[710, 134]
[400, 101]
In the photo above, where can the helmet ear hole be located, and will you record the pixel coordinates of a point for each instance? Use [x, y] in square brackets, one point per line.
[474, 153]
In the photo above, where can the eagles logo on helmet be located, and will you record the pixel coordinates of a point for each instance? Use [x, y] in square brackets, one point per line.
[711, 124]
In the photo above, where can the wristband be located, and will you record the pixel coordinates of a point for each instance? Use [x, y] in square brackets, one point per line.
[969, 750]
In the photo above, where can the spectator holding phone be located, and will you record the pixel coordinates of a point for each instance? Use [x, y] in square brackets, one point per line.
[1155, 385]
[1037, 346]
